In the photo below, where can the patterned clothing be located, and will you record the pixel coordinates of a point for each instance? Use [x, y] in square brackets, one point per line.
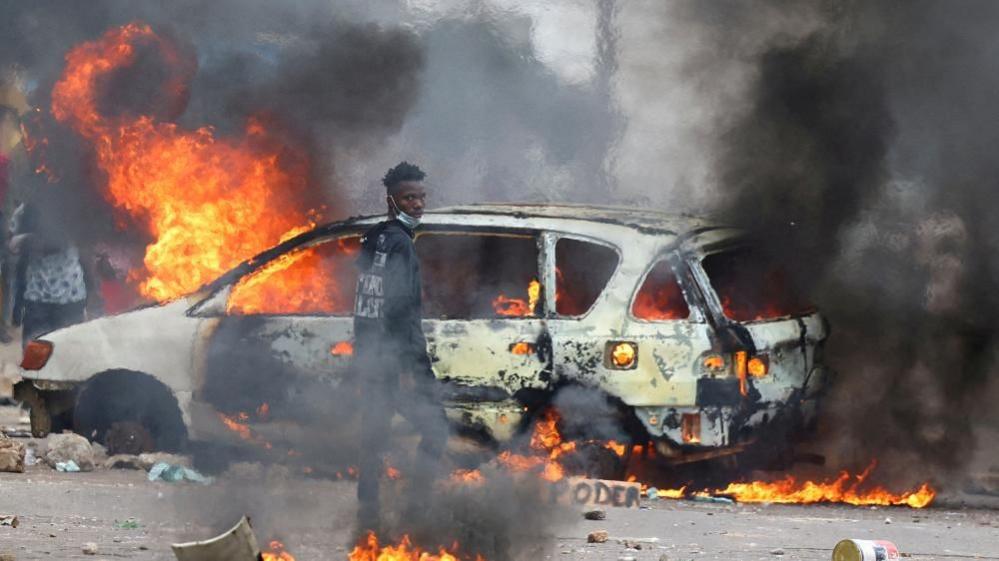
[55, 278]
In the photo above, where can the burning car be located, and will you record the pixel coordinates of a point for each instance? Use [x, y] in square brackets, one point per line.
[691, 335]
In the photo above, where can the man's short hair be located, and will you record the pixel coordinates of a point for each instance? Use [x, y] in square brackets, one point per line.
[405, 171]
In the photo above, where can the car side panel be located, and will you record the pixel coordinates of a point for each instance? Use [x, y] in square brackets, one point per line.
[158, 341]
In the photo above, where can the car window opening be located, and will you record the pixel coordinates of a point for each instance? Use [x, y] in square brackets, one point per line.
[479, 276]
[582, 270]
[660, 297]
[751, 286]
[317, 280]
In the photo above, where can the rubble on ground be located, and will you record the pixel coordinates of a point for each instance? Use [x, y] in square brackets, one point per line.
[11, 455]
[599, 536]
[149, 459]
[123, 461]
[66, 447]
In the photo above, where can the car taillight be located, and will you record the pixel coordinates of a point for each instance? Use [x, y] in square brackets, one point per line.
[36, 354]
[622, 355]
[714, 363]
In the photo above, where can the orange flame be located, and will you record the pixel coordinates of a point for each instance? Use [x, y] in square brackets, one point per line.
[467, 476]
[208, 202]
[342, 348]
[238, 423]
[369, 549]
[522, 348]
[517, 307]
[844, 489]
[276, 553]
[548, 447]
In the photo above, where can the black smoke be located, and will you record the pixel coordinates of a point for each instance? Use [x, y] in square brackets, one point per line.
[866, 149]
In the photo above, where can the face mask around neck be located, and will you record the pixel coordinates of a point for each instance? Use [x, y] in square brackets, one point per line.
[407, 220]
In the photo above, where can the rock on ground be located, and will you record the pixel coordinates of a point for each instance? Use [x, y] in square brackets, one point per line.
[11, 455]
[149, 459]
[69, 446]
[599, 536]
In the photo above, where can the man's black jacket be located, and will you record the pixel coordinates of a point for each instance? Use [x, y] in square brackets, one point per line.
[388, 303]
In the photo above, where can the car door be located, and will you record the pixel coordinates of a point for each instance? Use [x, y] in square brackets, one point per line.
[639, 339]
[283, 338]
[483, 311]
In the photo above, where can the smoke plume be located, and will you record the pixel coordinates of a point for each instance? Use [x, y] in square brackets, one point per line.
[863, 147]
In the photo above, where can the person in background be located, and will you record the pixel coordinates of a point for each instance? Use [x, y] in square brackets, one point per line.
[10, 139]
[52, 275]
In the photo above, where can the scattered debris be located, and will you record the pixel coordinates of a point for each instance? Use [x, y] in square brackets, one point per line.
[865, 550]
[67, 447]
[599, 536]
[713, 499]
[149, 459]
[127, 524]
[100, 453]
[163, 471]
[16, 432]
[68, 466]
[888, 520]
[595, 515]
[238, 544]
[11, 455]
[9, 520]
[90, 548]
[123, 461]
[632, 542]
[777, 551]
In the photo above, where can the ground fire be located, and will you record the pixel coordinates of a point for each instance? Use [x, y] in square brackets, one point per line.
[369, 549]
[547, 449]
[276, 552]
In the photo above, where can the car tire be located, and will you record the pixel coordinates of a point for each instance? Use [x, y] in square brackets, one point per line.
[129, 407]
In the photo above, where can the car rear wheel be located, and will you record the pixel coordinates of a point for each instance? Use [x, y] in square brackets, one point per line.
[129, 412]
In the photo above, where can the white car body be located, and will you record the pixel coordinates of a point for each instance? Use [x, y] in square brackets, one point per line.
[667, 383]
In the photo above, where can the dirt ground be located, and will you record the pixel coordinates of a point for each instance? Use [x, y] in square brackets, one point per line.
[59, 512]
[129, 517]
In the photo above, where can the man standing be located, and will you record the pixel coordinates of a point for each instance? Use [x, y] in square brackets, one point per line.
[389, 346]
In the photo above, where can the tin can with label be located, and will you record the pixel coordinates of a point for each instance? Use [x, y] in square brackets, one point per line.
[865, 550]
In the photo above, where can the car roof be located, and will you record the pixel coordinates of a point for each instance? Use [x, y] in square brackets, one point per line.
[645, 221]
[648, 221]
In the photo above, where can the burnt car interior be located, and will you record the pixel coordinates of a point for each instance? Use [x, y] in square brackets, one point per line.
[582, 270]
[660, 296]
[479, 275]
[753, 287]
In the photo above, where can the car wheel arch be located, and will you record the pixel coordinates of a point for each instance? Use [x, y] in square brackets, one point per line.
[124, 395]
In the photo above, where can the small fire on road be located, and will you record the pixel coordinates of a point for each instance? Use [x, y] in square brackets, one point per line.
[275, 552]
[369, 549]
